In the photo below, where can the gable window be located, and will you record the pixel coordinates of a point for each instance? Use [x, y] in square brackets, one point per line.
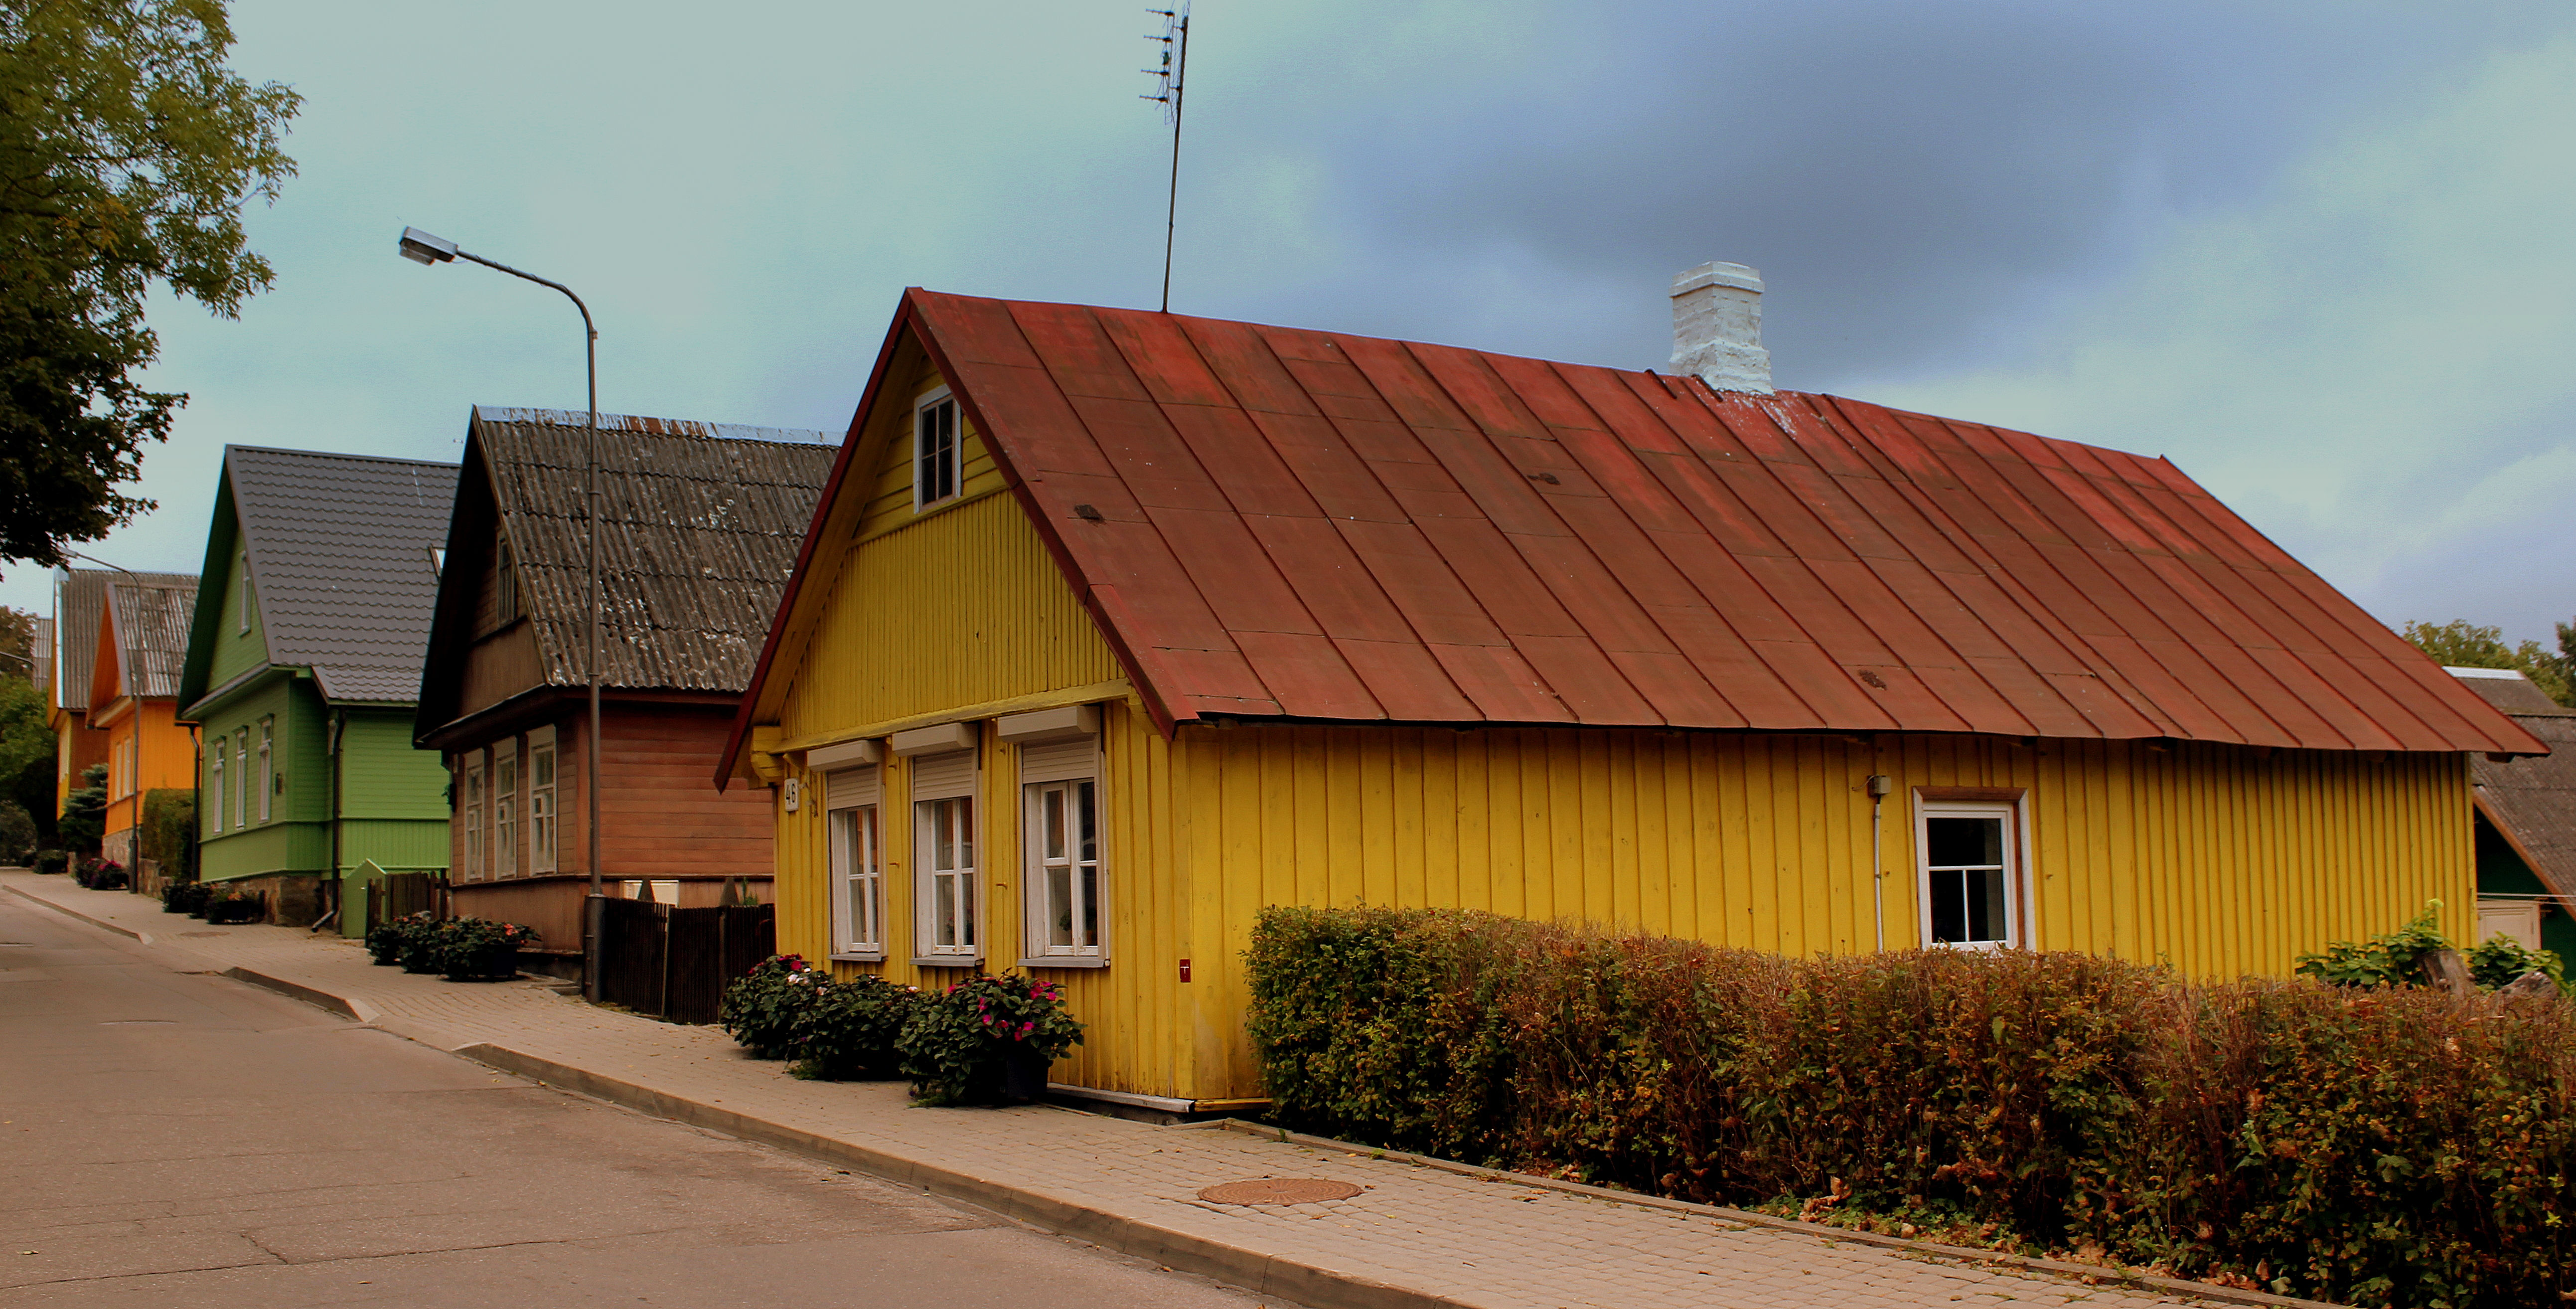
[505, 809]
[943, 858]
[215, 784]
[474, 816]
[858, 864]
[244, 564]
[241, 766]
[1061, 889]
[505, 584]
[541, 800]
[267, 765]
[935, 451]
[1970, 874]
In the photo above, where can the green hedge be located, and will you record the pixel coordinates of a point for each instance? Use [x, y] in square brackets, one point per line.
[2402, 1147]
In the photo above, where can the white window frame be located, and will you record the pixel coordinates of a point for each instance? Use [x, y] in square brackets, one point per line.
[267, 768]
[2015, 868]
[241, 766]
[961, 885]
[1062, 768]
[215, 783]
[473, 810]
[854, 832]
[952, 460]
[505, 808]
[545, 824]
[244, 562]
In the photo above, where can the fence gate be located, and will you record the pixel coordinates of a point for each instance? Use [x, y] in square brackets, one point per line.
[391, 896]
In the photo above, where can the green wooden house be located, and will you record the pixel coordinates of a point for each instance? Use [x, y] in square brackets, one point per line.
[304, 663]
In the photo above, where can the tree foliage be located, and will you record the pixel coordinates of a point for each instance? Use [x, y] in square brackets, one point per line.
[2463, 644]
[127, 150]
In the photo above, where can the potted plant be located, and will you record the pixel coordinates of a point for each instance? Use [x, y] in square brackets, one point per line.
[184, 898]
[481, 950]
[423, 946]
[988, 1038]
[763, 1009]
[228, 905]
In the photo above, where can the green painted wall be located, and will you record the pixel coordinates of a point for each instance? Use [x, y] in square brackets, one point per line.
[2503, 872]
[384, 777]
[236, 652]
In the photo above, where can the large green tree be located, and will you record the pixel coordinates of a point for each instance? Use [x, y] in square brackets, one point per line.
[127, 150]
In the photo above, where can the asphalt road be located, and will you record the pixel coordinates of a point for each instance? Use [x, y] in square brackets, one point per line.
[179, 1139]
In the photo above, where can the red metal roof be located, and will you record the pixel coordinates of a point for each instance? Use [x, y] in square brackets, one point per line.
[1275, 522]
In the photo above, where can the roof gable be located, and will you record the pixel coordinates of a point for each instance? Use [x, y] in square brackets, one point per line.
[1273, 522]
[79, 595]
[142, 640]
[699, 525]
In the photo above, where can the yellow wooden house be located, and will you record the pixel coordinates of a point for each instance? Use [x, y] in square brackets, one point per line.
[1114, 627]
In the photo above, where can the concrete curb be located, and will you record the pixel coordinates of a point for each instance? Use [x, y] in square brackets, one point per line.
[69, 912]
[358, 1010]
[1253, 1270]
[2090, 1273]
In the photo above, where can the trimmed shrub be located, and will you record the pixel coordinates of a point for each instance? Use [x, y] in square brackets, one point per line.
[481, 949]
[169, 832]
[52, 861]
[2370, 1144]
[224, 904]
[850, 1029]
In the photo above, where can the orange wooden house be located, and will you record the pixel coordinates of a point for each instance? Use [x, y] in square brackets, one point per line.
[134, 701]
[1114, 627]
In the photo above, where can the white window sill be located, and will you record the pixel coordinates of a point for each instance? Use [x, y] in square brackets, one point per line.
[1065, 961]
[948, 961]
[877, 957]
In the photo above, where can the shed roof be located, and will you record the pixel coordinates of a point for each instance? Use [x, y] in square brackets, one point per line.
[149, 622]
[699, 525]
[78, 595]
[2532, 800]
[1275, 522]
[340, 564]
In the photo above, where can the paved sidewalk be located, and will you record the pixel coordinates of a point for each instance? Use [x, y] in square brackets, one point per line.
[1416, 1236]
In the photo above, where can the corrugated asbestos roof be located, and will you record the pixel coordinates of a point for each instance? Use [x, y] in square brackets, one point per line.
[78, 593]
[1316, 525]
[151, 625]
[2534, 800]
[340, 562]
[699, 527]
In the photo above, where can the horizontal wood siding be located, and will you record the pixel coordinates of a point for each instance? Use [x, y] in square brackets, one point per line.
[382, 776]
[659, 815]
[497, 667]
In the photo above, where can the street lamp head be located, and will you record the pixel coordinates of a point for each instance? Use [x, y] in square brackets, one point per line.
[422, 248]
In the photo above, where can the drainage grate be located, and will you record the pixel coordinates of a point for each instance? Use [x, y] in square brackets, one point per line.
[1279, 1190]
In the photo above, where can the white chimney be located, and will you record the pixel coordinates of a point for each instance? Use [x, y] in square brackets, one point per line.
[1717, 328]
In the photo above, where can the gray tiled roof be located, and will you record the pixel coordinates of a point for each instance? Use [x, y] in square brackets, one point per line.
[699, 525]
[340, 562]
[151, 635]
[2534, 797]
[77, 596]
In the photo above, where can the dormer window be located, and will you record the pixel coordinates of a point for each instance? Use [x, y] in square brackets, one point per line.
[934, 449]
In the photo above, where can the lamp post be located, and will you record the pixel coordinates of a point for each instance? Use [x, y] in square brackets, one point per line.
[422, 248]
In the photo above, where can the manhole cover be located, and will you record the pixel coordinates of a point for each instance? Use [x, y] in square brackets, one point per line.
[1279, 1190]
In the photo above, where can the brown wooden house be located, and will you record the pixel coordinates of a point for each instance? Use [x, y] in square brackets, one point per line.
[699, 525]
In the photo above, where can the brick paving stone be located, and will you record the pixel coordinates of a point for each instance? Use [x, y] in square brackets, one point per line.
[1469, 1239]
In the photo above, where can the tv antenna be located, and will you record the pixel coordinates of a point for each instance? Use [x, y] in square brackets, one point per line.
[1167, 91]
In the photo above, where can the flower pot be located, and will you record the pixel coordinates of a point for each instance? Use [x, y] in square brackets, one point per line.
[1024, 1074]
[495, 965]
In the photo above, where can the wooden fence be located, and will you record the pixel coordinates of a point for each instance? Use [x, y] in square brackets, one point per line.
[673, 963]
[395, 894]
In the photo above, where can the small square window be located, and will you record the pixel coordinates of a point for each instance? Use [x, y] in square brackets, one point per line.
[1970, 870]
[935, 450]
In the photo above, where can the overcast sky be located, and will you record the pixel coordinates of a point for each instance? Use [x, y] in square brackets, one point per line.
[2323, 255]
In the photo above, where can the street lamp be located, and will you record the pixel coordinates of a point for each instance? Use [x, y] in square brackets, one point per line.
[422, 248]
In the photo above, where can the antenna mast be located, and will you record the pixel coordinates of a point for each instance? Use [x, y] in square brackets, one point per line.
[1167, 91]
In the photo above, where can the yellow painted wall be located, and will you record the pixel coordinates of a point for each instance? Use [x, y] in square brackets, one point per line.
[2217, 859]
